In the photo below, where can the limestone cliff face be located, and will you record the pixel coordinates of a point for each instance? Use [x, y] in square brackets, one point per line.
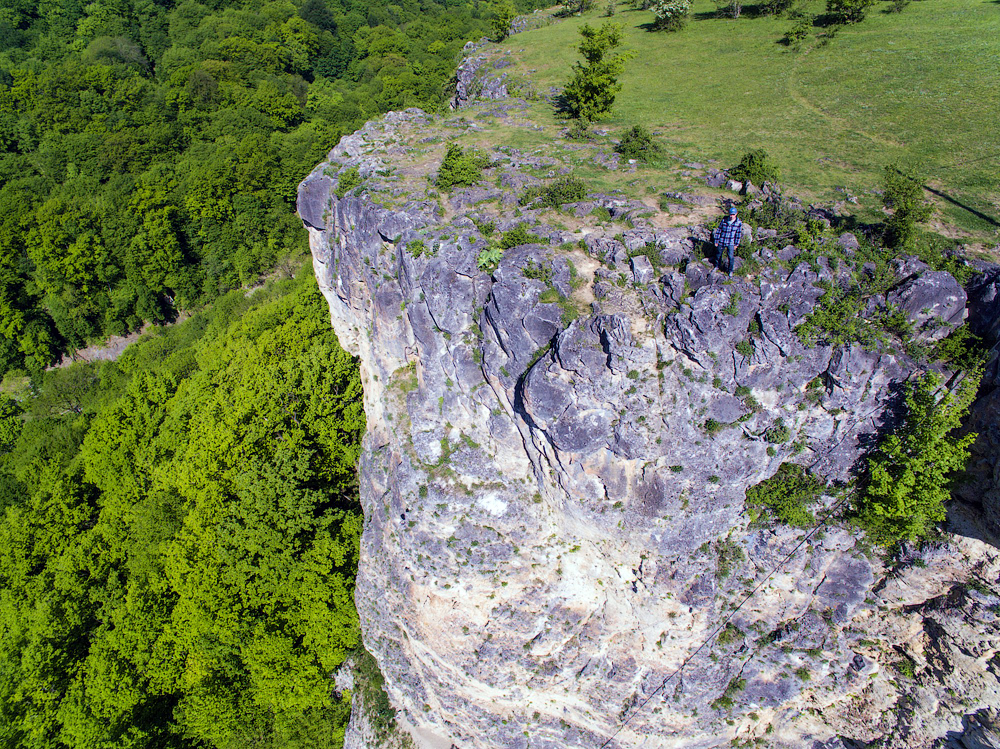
[555, 470]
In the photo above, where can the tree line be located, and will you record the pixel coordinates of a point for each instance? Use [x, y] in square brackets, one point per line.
[149, 151]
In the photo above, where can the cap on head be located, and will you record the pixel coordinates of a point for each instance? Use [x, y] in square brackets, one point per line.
[732, 210]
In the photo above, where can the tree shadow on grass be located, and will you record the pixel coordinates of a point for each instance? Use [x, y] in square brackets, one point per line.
[978, 214]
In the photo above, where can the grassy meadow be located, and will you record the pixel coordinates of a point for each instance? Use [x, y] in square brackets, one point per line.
[919, 87]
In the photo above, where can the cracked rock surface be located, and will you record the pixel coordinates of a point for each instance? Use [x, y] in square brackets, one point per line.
[556, 546]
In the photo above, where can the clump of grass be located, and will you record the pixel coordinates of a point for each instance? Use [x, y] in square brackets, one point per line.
[730, 634]
[732, 308]
[726, 700]
[727, 556]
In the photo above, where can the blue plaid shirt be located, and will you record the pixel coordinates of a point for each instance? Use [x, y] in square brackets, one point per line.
[729, 233]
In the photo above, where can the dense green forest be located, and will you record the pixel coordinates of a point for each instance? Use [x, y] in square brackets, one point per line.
[180, 536]
[150, 149]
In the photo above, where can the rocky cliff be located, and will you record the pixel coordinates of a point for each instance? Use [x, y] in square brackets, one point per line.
[558, 551]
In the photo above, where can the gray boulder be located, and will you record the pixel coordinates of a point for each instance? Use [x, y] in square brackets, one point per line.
[933, 302]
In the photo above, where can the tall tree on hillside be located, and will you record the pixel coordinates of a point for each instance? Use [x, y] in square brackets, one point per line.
[592, 90]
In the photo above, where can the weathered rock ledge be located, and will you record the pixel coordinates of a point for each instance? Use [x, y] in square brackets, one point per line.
[551, 531]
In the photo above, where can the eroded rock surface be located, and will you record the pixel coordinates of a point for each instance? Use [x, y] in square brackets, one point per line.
[555, 469]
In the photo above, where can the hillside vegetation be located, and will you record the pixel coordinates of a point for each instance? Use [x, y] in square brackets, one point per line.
[917, 87]
[180, 536]
[149, 152]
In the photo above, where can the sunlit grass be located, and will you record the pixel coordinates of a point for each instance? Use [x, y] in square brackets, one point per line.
[918, 87]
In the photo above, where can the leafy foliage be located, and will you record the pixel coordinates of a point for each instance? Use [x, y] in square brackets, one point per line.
[962, 349]
[757, 167]
[178, 548]
[797, 34]
[842, 316]
[904, 196]
[787, 494]
[591, 92]
[461, 168]
[516, 237]
[637, 143]
[908, 476]
[670, 15]
[504, 14]
[347, 181]
[849, 11]
[651, 251]
[554, 195]
[150, 152]
[489, 258]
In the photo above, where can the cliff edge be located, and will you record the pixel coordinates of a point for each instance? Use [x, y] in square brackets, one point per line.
[558, 550]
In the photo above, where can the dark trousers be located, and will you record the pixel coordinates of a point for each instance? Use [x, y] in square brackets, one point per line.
[718, 257]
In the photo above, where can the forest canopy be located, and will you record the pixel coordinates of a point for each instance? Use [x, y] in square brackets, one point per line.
[150, 151]
[179, 536]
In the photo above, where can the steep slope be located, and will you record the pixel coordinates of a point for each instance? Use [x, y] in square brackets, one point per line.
[557, 549]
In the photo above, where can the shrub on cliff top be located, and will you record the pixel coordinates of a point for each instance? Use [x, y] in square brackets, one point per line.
[848, 11]
[504, 14]
[563, 190]
[637, 143]
[757, 167]
[347, 181]
[591, 92]
[461, 168]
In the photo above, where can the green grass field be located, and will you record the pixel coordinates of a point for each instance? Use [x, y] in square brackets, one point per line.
[920, 87]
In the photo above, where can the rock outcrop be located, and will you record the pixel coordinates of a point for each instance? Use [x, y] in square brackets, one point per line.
[557, 550]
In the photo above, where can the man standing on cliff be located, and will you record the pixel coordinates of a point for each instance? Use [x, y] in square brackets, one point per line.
[727, 237]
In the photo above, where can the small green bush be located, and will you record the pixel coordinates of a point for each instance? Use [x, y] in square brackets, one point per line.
[796, 36]
[538, 272]
[461, 168]
[730, 634]
[727, 556]
[416, 248]
[516, 237]
[787, 494]
[347, 181]
[904, 196]
[757, 167]
[848, 11]
[713, 427]
[733, 307]
[670, 15]
[637, 143]
[778, 433]
[563, 190]
[651, 252]
[908, 477]
[776, 7]
[590, 93]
